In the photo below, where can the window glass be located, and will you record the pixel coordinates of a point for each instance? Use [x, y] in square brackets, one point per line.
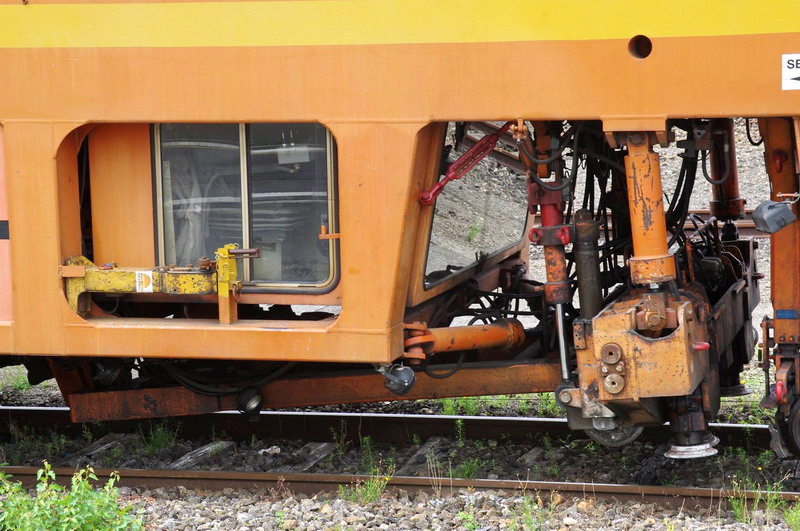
[482, 213]
[282, 170]
[289, 202]
[201, 190]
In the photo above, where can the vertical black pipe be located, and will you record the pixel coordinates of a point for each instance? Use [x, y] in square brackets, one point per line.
[587, 262]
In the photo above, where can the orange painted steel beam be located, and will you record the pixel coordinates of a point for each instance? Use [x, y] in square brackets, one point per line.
[651, 261]
[784, 244]
[471, 380]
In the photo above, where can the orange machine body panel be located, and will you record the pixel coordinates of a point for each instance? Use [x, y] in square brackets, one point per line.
[377, 83]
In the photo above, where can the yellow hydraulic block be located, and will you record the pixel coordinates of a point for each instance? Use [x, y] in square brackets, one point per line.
[205, 278]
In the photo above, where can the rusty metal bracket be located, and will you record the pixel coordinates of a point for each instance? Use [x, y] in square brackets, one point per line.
[325, 235]
[552, 235]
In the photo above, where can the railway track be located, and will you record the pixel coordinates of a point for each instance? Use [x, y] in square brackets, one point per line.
[393, 429]
[382, 427]
[318, 426]
[687, 497]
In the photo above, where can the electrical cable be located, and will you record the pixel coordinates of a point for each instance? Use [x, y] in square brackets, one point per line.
[708, 178]
[573, 170]
[448, 374]
[209, 389]
[562, 141]
[749, 136]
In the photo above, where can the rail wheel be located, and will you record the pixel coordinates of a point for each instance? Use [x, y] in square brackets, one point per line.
[619, 436]
[793, 426]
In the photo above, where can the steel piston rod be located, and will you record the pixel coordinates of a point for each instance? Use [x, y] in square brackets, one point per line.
[562, 342]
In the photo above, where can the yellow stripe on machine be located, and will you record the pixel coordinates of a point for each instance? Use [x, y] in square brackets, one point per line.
[359, 22]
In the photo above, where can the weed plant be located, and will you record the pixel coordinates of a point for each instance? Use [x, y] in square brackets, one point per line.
[469, 468]
[449, 406]
[340, 439]
[764, 495]
[367, 491]
[26, 442]
[435, 473]
[460, 436]
[19, 380]
[55, 507]
[468, 519]
[548, 407]
[475, 229]
[792, 517]
[158, 436]
[532, 515]
[747, 474]
[367, 454]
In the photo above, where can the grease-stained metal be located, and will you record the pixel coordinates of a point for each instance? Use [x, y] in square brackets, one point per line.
[651, 261]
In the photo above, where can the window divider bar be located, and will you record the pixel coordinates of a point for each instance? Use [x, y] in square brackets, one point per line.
[246, 266]
[159, 203]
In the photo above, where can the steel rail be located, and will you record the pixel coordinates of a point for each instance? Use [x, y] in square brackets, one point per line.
[316, 483]
[382, 427]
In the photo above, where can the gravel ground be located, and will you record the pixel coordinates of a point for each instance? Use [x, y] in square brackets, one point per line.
[462, 510]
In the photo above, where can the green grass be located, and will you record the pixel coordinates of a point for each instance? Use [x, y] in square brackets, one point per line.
[367, 453]
[18, 378]
[766, 496]
[469, 468]
[369, 490]
[475, 229]
[26, 442]
[340, 439]
[532, 515]
[792, 517]
[158, 436]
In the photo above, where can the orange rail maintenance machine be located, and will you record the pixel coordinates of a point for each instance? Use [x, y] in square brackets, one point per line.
[209, 205]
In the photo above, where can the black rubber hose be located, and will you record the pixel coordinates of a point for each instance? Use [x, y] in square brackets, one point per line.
[448, 374]
[573, 171]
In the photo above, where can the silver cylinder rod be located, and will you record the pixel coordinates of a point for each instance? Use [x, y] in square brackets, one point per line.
[562, 342]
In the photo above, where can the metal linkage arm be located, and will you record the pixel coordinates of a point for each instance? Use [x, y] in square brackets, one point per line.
[466, 162]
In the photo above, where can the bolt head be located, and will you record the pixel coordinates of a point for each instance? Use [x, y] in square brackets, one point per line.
[636, 139]
[565, 397]
[614, 383]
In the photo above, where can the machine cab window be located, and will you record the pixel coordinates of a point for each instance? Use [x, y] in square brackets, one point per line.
[264, 186]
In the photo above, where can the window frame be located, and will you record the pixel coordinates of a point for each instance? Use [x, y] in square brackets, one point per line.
[251, 285]
[501, 253]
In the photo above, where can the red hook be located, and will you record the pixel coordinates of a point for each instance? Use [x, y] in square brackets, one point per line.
[778, 158]
[780, 391]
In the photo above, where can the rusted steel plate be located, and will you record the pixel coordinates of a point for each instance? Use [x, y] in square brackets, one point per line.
[474, 379]
[142, 403]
